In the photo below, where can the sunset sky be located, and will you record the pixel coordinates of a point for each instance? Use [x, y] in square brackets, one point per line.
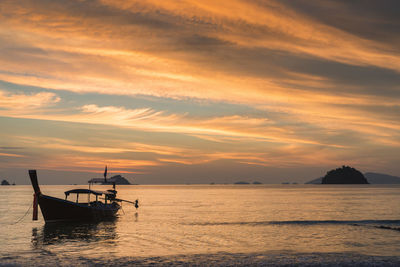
[198, 91]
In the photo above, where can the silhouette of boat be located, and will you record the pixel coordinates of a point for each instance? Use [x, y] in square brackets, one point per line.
[57, 209]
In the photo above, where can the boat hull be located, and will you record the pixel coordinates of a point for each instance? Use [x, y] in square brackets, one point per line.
[56, 209]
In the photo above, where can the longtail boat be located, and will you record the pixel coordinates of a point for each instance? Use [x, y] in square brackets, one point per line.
[104, 205]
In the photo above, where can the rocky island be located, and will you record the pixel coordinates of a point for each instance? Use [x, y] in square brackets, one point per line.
[117, 179]
[344, 175]
[5, 182]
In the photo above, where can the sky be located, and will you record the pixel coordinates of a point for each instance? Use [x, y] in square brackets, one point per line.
[198, 91]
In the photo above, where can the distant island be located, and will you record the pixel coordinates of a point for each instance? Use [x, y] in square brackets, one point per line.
[242, 182]
[373, 178]
[315, 181]
[344, 175]
[117, 179]
[5, 182]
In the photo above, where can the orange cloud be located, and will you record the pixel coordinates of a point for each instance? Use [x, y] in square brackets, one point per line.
[24, 102]
[10, 155]
[307, 83]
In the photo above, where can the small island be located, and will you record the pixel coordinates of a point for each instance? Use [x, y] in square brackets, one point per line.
[117, 179]
[344, 175]
[242, 182]
[5, 182]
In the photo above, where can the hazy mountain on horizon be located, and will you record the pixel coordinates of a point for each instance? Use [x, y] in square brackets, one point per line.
[380, 178]
[372, 177]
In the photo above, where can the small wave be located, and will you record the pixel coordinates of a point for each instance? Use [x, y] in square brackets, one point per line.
[304, 222]
[351, 222]
[388, 227]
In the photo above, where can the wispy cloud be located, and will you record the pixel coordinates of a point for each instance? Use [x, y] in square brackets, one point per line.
[10, 155]
[150, 120]
[23, 102]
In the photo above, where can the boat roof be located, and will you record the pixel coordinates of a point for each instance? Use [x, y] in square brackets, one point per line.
[88, 191]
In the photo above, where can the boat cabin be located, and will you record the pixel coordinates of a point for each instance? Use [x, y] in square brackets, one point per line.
[108, 195]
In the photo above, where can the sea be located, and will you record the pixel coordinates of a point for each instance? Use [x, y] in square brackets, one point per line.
[212, 225]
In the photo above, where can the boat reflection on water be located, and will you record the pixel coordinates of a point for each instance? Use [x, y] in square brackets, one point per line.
[56, 233]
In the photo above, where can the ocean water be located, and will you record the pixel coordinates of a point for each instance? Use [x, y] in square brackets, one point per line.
[212, 225]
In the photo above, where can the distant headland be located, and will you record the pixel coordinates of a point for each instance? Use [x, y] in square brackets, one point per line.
[380, 178]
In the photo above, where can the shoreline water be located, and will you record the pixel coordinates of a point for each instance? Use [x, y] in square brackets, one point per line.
[270, 258]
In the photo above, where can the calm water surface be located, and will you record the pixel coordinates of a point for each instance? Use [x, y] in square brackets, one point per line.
[213, 225]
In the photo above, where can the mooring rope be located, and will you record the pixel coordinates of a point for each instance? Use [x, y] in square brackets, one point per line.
[30, 206]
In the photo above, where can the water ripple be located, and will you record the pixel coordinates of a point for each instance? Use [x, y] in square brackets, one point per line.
[299, 222]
